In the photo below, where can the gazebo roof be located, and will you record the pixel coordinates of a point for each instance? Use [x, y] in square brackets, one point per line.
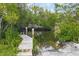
[38, 28]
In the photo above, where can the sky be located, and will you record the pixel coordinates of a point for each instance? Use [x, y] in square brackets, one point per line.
[48, 6]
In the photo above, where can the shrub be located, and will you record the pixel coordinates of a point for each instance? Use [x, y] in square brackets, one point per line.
[12, 37]
[35, 50]
[69, 31]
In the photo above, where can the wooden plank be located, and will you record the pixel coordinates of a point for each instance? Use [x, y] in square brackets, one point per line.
[25, 46]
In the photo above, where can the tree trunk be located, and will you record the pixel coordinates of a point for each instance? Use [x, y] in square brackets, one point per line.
[0, 26]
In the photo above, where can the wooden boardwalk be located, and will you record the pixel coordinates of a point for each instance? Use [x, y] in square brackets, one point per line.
[25, 46]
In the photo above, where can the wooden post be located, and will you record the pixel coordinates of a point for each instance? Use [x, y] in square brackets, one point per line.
[26, 30]
[33, 33]
[57, 43]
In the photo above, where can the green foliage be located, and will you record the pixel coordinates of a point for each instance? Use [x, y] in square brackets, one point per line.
[6, 50]
[44, 39]
[35, 49]
[11, 15]
[12, 37]
[66, 15]
[69, 31]
[10, 43]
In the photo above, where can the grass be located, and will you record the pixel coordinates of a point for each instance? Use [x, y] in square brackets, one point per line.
[8, 49]
[9, 44]
[45, 39]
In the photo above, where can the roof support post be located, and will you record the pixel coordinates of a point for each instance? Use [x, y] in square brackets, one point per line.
[26, 30]
[33, 33]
